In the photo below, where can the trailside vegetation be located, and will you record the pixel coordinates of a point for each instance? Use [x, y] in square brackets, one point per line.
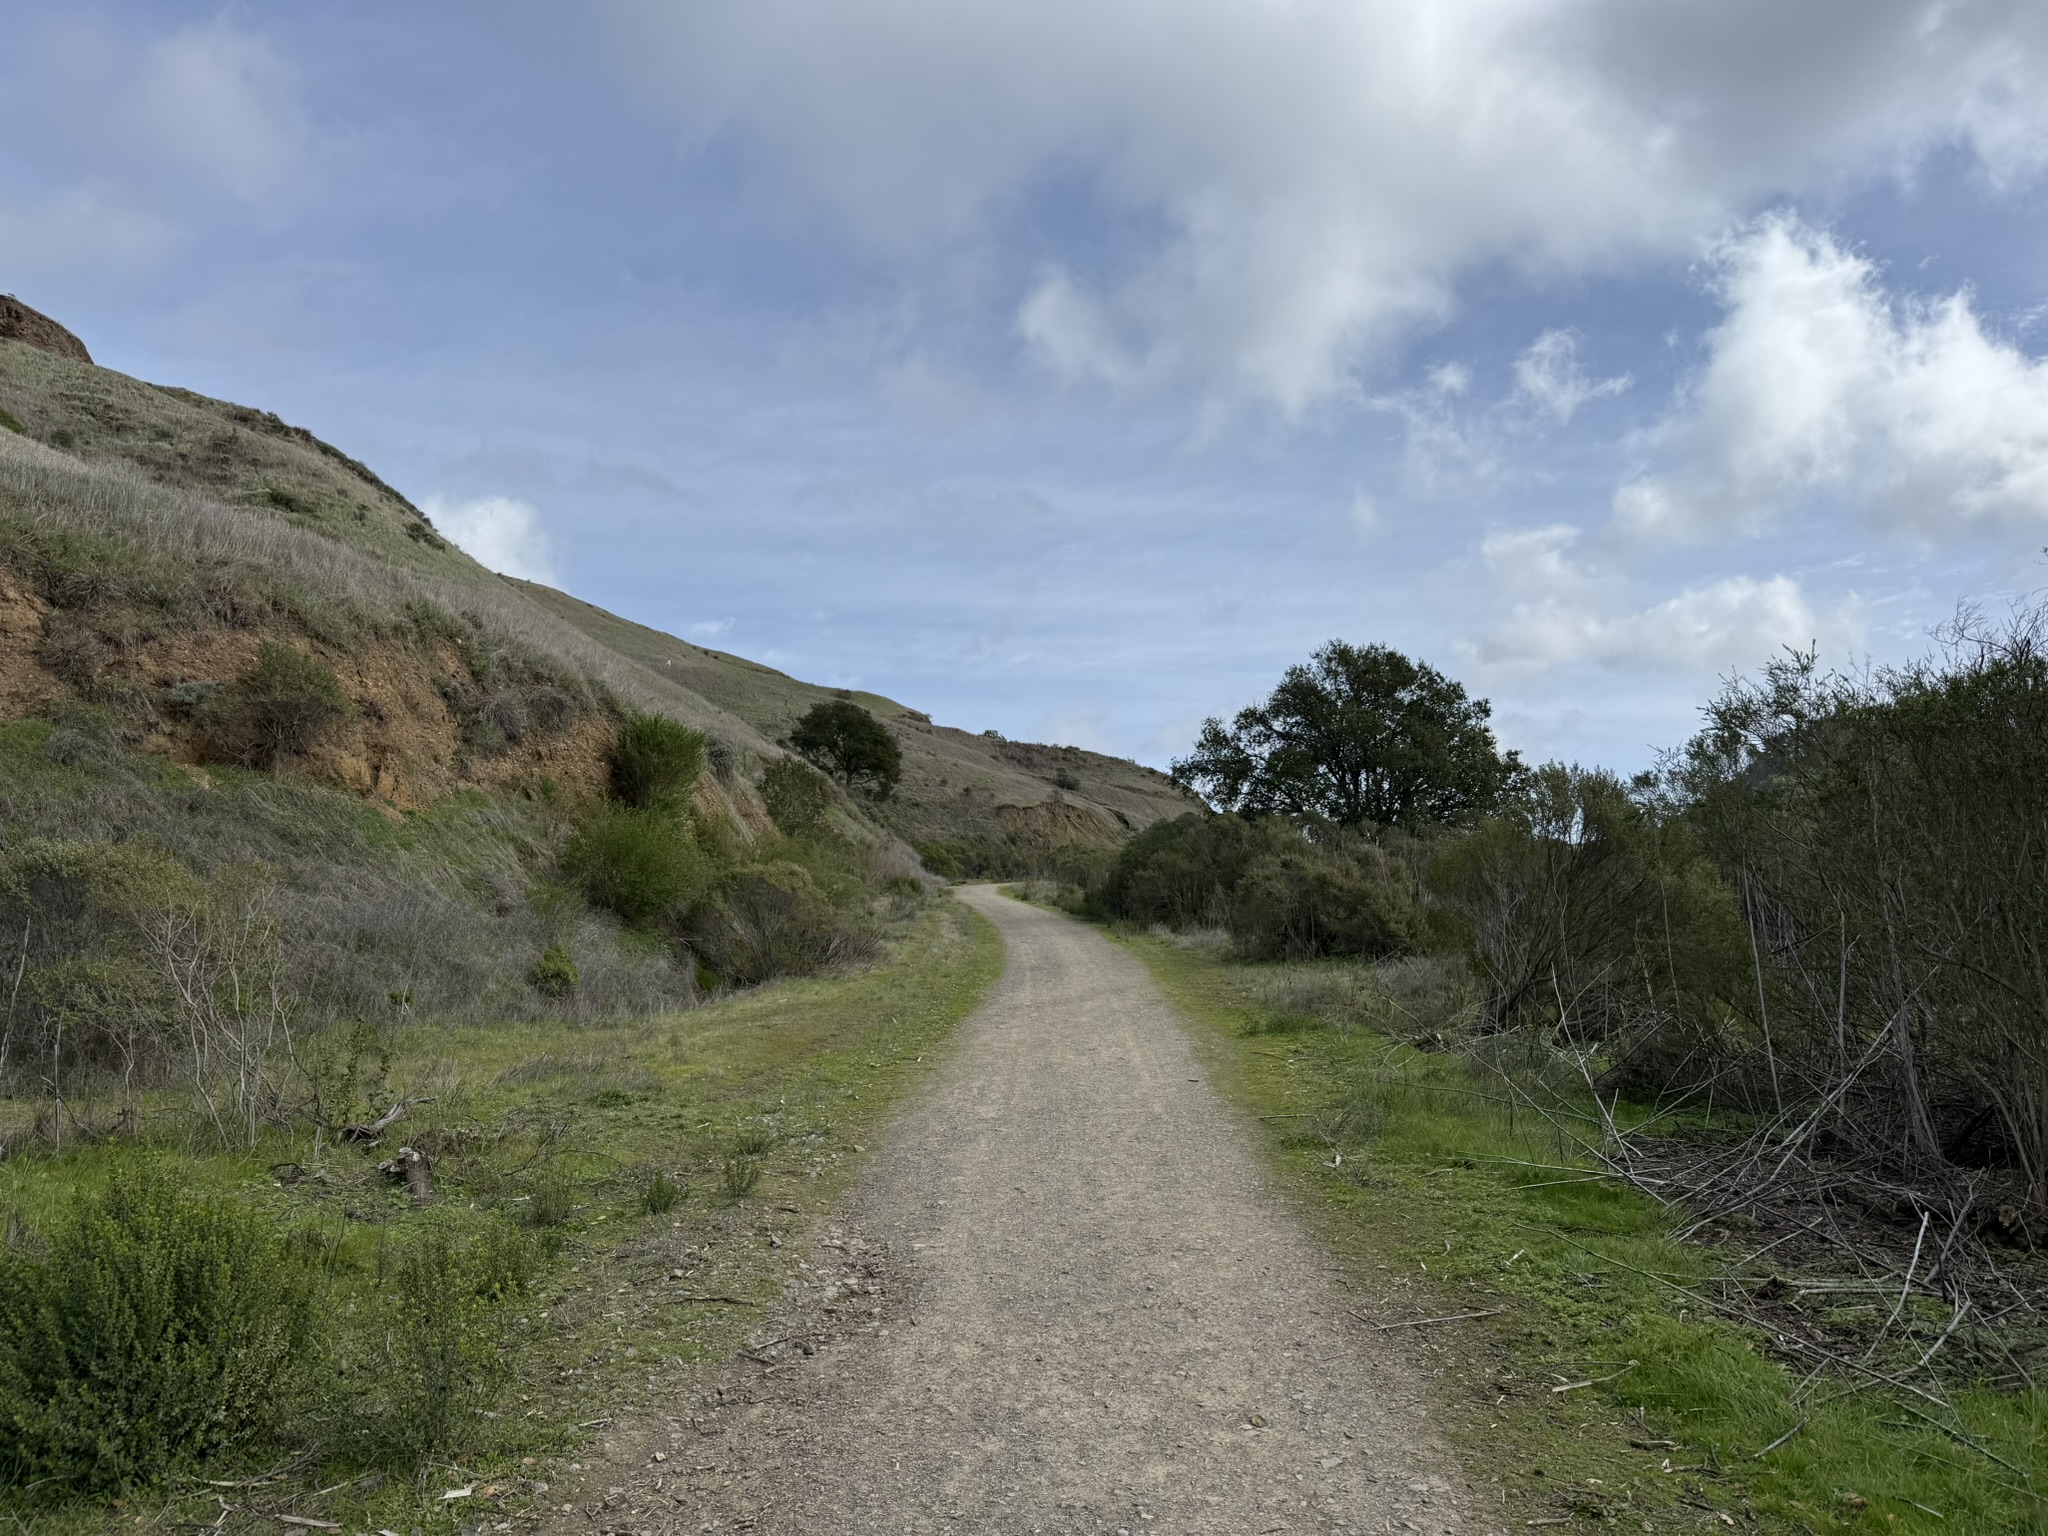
[1787, 986]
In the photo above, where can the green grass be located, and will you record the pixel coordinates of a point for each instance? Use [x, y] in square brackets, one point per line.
[1427, 1222]
[580, 1121]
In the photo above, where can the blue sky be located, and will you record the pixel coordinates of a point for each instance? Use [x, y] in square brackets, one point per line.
[1070, 369]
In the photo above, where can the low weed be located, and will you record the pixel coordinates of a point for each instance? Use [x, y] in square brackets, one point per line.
[662, 1195]
[436, 1364]
[552, 1202]
[742, 1173]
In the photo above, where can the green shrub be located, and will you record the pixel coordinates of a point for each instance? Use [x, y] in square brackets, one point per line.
[770, 920]
[555, 973]
[797, 797]
[643, 865]
[439, 1362]
[851, 744]
[284, 705]
[1310, 902]
[654, 762]
[1185, 872]
[162, 1327]
[662, 1195]
[12, 422]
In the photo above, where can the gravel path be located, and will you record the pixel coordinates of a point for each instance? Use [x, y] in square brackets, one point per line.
[1065, 1299]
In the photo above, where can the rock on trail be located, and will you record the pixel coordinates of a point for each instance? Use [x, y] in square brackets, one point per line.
[1065, 1299]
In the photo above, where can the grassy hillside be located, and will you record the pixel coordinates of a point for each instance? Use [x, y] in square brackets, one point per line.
[219, 492]
[956, 785]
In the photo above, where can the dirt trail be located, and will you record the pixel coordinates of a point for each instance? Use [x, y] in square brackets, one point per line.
[1064, 1300]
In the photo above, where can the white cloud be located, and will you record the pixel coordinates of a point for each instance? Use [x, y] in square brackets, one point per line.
[1561, 612]
[498, 532]
[1820, 383]
[1274, 191]
[1550, 378]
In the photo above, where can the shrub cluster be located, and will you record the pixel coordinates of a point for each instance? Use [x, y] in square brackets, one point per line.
[648, 856]
[282, 707]
[1281, 890]
[159, 1328]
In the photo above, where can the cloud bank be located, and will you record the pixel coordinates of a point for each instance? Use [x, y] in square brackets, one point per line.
[1268, 194]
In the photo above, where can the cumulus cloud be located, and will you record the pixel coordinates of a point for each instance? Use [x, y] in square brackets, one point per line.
[499, 532]
[1271, 192]
[1819, 383]
[1561, 611]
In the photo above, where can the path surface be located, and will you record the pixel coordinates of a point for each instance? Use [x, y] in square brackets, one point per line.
[1065, 1300]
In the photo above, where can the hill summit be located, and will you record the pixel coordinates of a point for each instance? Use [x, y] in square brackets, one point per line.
[20, 323]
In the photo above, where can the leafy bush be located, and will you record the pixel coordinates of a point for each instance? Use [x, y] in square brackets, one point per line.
[1184, 872]
[162, 1327]
[643, 865]
[438, 1363]
[654, 762]
[1282, 891]
[851, 744]
[555, 973]
[284, 705]
[770, 920]
[797, 797]
[1310, 902]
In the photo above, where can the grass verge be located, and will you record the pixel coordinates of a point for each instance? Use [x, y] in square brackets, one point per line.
[609, 1148]
[1593, 1393]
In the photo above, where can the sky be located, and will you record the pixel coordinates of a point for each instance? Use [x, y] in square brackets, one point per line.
[1071, 369]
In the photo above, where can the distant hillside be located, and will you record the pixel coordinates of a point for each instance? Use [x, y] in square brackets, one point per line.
[150, 537]
[956, 785]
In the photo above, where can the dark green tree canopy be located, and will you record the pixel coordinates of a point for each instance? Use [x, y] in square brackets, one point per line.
[851, 744]
[1357, 735]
